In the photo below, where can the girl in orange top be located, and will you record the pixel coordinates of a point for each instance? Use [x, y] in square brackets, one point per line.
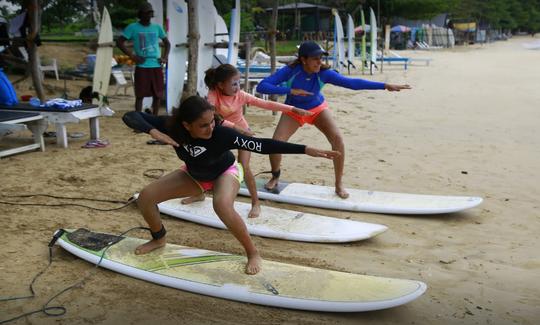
[225, 94]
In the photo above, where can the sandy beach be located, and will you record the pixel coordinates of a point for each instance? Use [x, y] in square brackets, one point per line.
[468, 127]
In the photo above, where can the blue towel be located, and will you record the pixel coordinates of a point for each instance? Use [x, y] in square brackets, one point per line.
[62, 103]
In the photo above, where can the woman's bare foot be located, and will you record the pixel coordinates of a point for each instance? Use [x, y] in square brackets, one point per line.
[192, 199]
[341, 192]
[150, 246]
[272, 184]
[254, 264]
[255, 210]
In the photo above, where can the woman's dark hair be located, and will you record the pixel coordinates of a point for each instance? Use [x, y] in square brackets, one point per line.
[222, 73]
[296, 62]
[189, 111]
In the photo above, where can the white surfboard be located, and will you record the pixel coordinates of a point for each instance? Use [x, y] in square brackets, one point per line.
[221, 275]
[176, 67]
[221, 36]
[207, 37]
[277, 223]
[157, 5]
[104, 55]
[365, 201]
[339, 45]
[234, 35]
[350, 42]
[373, 34]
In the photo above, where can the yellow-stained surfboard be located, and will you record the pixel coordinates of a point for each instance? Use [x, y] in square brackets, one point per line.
[222, 275]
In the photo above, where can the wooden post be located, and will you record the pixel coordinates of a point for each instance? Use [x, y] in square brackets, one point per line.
[193, 41]
[273, 32]
[387, 29]
[247, 48]
[33, 12]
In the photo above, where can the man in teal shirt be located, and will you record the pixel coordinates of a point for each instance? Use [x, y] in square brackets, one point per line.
[147, 55]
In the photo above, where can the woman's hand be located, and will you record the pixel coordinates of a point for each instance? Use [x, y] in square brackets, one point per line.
[391, 87]
[300, 92]
[243, 131]
[301, 112]
[329, 154]
[154, 133]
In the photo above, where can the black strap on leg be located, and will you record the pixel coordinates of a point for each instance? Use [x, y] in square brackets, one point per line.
[159, 234]
[275, 174]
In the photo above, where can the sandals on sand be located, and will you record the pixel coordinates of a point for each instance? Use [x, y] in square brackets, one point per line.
[96, 144]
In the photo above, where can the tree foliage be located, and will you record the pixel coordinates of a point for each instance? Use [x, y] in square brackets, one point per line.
[506, 14]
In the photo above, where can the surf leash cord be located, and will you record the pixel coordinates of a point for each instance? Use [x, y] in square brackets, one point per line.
[58, 310]
[124, 203]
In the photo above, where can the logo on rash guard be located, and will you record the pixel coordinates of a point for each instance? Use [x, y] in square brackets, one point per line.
[194, 151]
[248, 144]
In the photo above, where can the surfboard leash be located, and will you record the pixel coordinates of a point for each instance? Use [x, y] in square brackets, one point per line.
[124, 203]
[56, 311]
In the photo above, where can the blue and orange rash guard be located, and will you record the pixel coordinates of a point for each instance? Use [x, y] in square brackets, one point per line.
[297, 78]
[206, 159]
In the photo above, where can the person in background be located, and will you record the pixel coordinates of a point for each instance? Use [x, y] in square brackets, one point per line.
[147, 55]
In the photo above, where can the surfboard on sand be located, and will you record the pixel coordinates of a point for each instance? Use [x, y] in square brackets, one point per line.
[221, 36]
[373, 39]
[364, 55]
[221, 275]
[339, 46]
[157, 5]
[176, 67]
[234, 35]
[350, 43]
[103, 66]
[363, 200]
[207, 36]
[277, 223]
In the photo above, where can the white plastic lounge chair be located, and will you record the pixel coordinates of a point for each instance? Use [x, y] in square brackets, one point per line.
[51, 67]
[121, 82]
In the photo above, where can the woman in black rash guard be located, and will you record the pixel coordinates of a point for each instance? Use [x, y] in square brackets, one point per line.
[204, 145]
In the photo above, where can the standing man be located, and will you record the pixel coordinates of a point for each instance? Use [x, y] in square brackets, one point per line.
[147, 56]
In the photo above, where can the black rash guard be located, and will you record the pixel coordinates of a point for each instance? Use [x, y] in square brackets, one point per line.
[206, 159]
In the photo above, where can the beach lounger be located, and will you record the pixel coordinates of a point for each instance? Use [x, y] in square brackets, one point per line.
[59, 117]
[411, 60]
[12, 122]
[404, 61]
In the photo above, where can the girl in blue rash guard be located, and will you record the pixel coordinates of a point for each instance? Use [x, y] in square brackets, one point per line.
[204, 146]
[304, 79]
